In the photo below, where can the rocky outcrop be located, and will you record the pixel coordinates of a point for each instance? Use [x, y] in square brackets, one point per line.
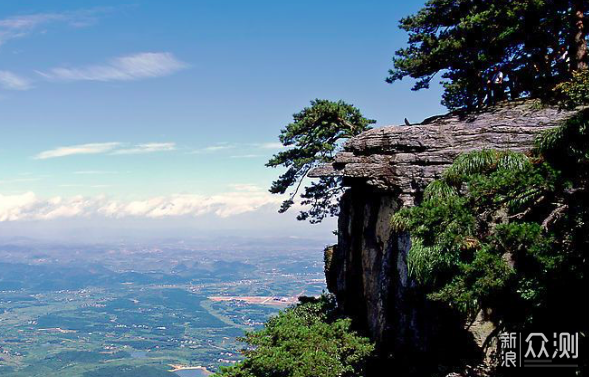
[405, 159]
[388, 168]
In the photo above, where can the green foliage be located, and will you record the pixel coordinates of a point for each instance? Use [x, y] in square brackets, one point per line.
[476, 282]
[307, 340]
[482, 162]
[440, 230]
[567, 147]
[313, 138]
[464, 39]
[501, 227]
[574, 92]
[439, 189]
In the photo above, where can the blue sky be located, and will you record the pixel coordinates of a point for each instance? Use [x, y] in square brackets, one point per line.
[161, 109]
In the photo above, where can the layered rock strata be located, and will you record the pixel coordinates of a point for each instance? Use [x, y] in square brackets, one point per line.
[388, 168]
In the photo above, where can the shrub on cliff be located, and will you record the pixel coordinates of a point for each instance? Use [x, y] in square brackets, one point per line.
[508, 232]
[307, 340]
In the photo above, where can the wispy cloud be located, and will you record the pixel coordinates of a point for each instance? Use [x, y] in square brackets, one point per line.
[246, 156]
[12, 81]
[214, 148]
[19, 180]
[249, 187]
[112, 148]
[243, 150]
[147, 148]
[125, 68]
[77, 185]
[118, 148]
[95, 172]
[24, 25]
[274, 145]
[93, 148]
[28, 206]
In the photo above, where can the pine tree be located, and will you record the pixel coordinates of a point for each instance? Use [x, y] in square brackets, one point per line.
[313, 138]
[462, 40]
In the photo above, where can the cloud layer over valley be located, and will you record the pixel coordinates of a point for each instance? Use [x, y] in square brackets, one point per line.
[242, 199]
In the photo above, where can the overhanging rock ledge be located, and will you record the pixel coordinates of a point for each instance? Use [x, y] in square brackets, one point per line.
[388, 168]
[404, 159]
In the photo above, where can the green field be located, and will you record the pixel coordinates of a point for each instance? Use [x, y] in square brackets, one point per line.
[125, 325]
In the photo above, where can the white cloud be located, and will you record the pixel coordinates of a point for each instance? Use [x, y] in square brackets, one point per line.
[13, 207]
[118, 148]
[69, 185]
[246, 156]
[125, 68]
[246, 148]
[27, 206]
[214, 148]
[112, 148]
[94, 172]
[250, 187]
[222, 205]
[24, 25]
[147, 148]
[93, 148]
[275, 145]
[12, 81]
[19, 180]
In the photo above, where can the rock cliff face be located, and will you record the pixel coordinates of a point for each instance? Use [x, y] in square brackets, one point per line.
[385, 169]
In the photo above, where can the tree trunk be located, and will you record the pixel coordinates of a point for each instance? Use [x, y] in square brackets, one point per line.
[579, 58]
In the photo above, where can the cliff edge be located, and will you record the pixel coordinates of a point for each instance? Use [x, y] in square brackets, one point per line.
[405, 159]
[385, 169]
